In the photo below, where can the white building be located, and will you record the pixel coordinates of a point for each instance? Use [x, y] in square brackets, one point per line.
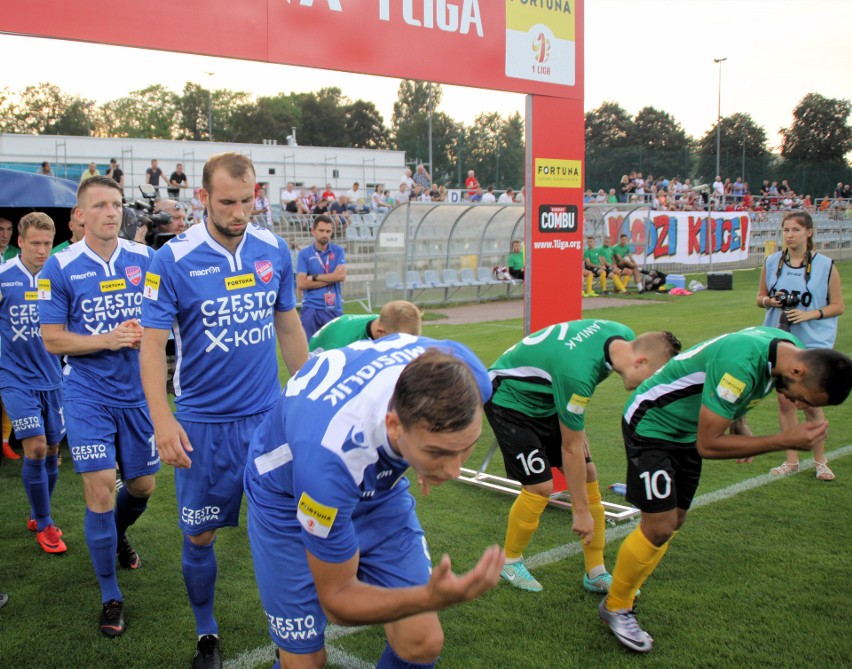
[275, 164]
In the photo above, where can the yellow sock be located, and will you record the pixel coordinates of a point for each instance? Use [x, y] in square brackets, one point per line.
[589, 280]
[523, 522]
[617, 281]
[7, 426]
[603, 280]
[637, 558]
[657, 558]
[626, 280]
[593, 552]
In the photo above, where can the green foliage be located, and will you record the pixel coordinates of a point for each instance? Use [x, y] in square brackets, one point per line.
[820, 130]
[150, 113]
[608, 127]
[739, 134]
[364, 127]
[752, 581]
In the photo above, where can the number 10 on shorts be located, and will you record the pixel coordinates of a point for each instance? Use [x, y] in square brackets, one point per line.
[658, 484]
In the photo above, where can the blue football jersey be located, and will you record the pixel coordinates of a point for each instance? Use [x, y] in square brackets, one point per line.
[325, 446]
[221, 307]
[91, 296]
[23, 359]
[310, 261]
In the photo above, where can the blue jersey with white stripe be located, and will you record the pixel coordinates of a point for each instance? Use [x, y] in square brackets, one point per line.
[23, 359]
[324, 447]
[221, 307]
[90, 296]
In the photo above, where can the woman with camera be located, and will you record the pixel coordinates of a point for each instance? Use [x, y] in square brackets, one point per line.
[800, 290]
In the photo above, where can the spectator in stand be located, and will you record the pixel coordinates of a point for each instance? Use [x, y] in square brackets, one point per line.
[153, 175]
[328, 193]
[515, 261]
[7, 251]
[846, 194]
[612, 198]
[177, 181]
[261, 213]
[625, 189]
[116, 173]
[305, 202]
[838, 192]
[639, 186]
[589, 197]
[338, 210]
[197, 206]
[322, 208]
[471, 184]
[520, 198]
[676, 188]
[45, 169]
[315, 196]
[407, 179]
[402, 195]
[289, 197]
[784, 188]
[422, 178]
[719, 191]
[356, 199]
[507, 198]
[442, 194]
[379, 202]
[92, 171]
[600, 198]
[729, 190]
[488, 196]
[434, 193]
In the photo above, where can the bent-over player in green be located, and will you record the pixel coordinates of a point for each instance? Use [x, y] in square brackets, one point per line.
[542, 386]
[683, 414]
[395, 316]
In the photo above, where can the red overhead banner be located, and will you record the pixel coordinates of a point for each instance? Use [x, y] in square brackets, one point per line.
[527, 46]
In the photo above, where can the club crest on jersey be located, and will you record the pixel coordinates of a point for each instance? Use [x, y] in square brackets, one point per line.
[134, 274]
[264, 270]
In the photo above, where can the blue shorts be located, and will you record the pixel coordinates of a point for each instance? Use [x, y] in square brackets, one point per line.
[314, 318]
[100, 435]
[210, 492]
[393, 554]
[35, 413]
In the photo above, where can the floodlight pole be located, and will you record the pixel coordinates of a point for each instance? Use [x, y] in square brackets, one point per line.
[719, 116]
[210, 108]
[431, 167]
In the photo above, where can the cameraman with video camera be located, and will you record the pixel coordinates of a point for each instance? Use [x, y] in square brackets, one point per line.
[153, 223]
[800, 290]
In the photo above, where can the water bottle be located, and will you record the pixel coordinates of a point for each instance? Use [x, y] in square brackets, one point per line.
[619, 488]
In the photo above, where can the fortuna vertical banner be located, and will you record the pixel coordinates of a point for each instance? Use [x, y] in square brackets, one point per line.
[525, 46]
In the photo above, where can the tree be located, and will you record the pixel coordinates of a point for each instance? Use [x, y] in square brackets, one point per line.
[657, 130]
[323, 118]
[364, 126]
[45, 110]
[740, 135]
[608, 126]
[150, 113]
[193, 107]
[410, 128]
[512, 153]
[820, 130]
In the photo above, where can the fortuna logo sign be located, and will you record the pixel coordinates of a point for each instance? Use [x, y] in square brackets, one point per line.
[459, 16]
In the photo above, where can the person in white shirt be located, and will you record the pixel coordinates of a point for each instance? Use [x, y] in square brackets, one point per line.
[380, 202]
[488, 196]
[402, 195]
[408, 180]
[507, 198]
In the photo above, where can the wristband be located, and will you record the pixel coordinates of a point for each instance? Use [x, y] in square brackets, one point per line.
[821, 314]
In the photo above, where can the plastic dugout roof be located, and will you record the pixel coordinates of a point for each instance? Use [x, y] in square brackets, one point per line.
[440, 232]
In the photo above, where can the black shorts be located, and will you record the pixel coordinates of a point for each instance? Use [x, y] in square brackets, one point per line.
[530, 446]
[661, 475]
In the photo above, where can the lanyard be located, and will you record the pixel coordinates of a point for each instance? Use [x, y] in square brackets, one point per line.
[325, 265]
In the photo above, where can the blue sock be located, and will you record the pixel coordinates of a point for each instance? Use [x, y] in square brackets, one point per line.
[199, 575]
[35, 485]
[101, 540]
[51, 467]
[390, 660]
[127, 509]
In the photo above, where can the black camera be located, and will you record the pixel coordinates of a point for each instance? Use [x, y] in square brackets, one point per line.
[787, 300]
[140, 213]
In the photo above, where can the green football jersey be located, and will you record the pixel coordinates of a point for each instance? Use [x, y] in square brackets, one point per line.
[592, 255]
[556, 370]
[342, 331]
[606, 252]
[622, 251]
[729, 375]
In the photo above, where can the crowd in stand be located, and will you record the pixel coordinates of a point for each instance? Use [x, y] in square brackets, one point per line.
[730, 194]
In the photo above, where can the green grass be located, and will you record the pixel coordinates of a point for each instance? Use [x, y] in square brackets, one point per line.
[760, 579]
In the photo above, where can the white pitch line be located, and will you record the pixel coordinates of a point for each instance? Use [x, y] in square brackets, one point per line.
[343, 659]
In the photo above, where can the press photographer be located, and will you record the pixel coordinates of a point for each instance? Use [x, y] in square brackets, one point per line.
[152, 222]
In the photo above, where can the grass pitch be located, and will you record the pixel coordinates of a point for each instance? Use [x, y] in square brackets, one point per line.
[757, 577]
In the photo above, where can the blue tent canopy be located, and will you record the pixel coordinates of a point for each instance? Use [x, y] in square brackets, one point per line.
[22, 189]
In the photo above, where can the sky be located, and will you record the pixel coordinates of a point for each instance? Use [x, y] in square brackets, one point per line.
[638, 53]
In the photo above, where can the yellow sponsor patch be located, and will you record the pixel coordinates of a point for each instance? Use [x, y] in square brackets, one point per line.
[113, 285]
[577, 404]
[556, 173]
[239, 281]
[31, 295]
[316, 518]
[44, 289]
[730, 388]
[152, 286]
